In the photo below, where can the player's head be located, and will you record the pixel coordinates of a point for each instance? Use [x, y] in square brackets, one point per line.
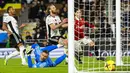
[52, 9]
[44, 55]
[11, 10]
[44, 43]
[78, 13]
[35, 41]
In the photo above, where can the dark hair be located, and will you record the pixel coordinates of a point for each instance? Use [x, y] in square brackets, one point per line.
[45, 51]
[35, 41]
[9, 8]
[77, 10]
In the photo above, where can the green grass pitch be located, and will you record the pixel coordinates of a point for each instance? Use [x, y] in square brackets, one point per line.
[14, 66]
[90, 64]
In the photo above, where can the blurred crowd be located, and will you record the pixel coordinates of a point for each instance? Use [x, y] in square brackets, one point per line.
[37, 13]
[97, 12]
[125, 18]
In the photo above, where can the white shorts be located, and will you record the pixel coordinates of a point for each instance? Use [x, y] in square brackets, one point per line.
[83, 41]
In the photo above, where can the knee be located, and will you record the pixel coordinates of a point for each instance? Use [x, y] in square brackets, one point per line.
[91, 44]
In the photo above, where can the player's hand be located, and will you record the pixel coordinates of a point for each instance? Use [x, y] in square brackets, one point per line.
[65, 20]
[9, 33]
[22, 25]
[95, 28]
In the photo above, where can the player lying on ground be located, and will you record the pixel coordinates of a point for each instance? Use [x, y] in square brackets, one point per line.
[42, 58]
[11, 27]
[81, 38]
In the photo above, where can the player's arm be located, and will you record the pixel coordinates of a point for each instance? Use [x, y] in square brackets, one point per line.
[30, 64]
[4, 27]
[22, 25]
[64, 25]
[53, 27]
[49, 48]
[89, 25]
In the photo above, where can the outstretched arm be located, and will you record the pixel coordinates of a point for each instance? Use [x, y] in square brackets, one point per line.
[59, 60]
[89, 25]
[30, 64]
[50, 48]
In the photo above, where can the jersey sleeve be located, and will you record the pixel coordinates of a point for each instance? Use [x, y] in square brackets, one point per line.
[49, 21]
[88, 24]
[6, 19]
[49, 48]
[59, 20]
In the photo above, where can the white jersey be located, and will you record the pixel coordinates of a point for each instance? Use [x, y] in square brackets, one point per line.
[11, 23]
[52, 20]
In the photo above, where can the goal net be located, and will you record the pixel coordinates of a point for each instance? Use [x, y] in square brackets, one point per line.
[99, 32]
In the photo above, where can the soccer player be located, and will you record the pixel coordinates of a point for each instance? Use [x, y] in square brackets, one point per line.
[10, 25]
[42, 58]
[80, 36]
[53, 23]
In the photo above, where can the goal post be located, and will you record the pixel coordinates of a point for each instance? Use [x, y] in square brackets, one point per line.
[71, 36]
[118, 34]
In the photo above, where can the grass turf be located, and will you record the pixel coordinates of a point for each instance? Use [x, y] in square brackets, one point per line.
[91, 64]
[14, 66]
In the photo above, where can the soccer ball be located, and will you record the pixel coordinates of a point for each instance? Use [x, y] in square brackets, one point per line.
[110, 65]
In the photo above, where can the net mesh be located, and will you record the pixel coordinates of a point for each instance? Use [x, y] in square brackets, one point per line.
[100, 28]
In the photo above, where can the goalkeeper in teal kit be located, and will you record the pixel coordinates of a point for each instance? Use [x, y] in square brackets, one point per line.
[42, 58]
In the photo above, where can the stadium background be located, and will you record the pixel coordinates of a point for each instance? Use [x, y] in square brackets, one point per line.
[32, 13]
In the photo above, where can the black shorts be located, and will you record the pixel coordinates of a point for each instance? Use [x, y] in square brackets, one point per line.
[54, 40]
[15, 39]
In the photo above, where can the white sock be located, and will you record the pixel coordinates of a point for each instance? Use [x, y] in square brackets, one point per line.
[15, 53]
[59, 45]
[66, 59]
[22, 54]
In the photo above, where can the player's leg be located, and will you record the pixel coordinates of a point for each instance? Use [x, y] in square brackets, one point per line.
[94, 47]
[20, 44]
[15, 53]
[78, 51]
[22, 55]
[59, 60]
[65, 43]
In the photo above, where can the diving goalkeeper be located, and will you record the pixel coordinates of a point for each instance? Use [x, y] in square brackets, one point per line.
[42, 58]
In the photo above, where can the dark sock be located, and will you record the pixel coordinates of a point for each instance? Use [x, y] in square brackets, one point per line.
[96, 50]
[77, 56]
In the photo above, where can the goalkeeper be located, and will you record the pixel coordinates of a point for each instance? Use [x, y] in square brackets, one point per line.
[42, 58]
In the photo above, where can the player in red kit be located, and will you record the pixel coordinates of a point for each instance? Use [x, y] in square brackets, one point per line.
[81, 38]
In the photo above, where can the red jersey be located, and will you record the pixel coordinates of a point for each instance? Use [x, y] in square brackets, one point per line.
[79, 28]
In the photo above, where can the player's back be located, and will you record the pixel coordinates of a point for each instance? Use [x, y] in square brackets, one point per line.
[12, 23]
